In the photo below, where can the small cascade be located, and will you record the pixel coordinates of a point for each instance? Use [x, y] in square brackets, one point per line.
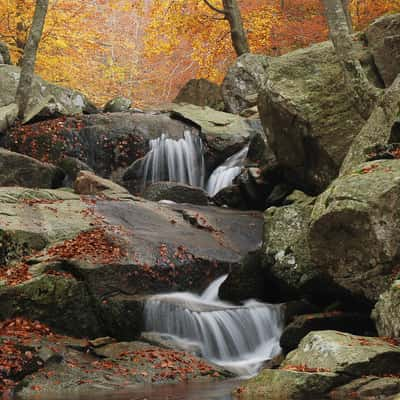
[224, 175]
[175, 160]
[238, 338]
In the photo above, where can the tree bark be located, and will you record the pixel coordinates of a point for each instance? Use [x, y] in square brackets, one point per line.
[365, 95]
[29, 57]
[346, 9]
[231, 11]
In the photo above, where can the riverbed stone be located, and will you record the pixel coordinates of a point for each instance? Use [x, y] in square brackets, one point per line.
[343, 353]
[8, 115]
[354, 226]
[176, 192]
[279, 384]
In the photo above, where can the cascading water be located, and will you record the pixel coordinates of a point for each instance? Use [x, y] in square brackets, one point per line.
[224, 175]
[237, 338]
[182, 161]
[175, 160]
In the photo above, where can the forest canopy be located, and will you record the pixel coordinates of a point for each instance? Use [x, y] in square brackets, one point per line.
[147, 49]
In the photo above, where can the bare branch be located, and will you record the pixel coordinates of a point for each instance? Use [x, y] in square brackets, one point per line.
[216, 9]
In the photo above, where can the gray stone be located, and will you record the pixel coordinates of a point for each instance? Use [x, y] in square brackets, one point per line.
[119, 104]
[201, 92]
[243, 82]
[4, 54]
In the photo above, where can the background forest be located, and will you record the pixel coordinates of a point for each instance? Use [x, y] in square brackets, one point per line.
[147, 49]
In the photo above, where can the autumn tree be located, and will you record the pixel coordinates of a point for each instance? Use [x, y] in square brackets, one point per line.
[29, 57]
[232, 14]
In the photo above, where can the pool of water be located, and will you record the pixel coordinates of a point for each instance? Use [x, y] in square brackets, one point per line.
[183, 391]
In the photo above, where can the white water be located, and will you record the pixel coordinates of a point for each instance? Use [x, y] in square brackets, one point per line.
[182, 161]
[239, 339]
[175, 160]
[224, 175]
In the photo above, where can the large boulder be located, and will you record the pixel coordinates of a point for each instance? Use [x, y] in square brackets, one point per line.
[308, 116]
[107, 253]
[383, 37]
[88, 183]
[354, 229]
[20, 170]
[386, 312]
[201, 92]
[176, 192]
[324, 362]
[46, 100]
[243, 82]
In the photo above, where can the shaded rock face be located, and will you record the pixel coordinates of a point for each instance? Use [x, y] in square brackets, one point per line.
[99, 256]
[119, 104]
[176, 192]
[19, 170]
[347, 361]
[201, 92]
[384, 43]
[47, 99]
[354, 226]
[243, 81]
[386, 312]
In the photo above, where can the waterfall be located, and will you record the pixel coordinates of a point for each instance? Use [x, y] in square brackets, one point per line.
[224, 175]
[182, 161]
[175, 160]
[238, 338]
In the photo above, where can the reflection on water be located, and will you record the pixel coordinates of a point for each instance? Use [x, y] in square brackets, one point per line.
[183, 391]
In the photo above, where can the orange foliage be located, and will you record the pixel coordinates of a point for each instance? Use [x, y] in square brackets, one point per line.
[147, 49]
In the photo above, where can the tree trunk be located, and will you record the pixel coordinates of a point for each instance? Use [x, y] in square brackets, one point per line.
[20, 26]
[365, 95]
[346, 9]
[238, 33]
[29, 57]
[378, 128]
[231, 11]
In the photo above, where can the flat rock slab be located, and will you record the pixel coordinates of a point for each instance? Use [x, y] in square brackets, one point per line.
[92, 259]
